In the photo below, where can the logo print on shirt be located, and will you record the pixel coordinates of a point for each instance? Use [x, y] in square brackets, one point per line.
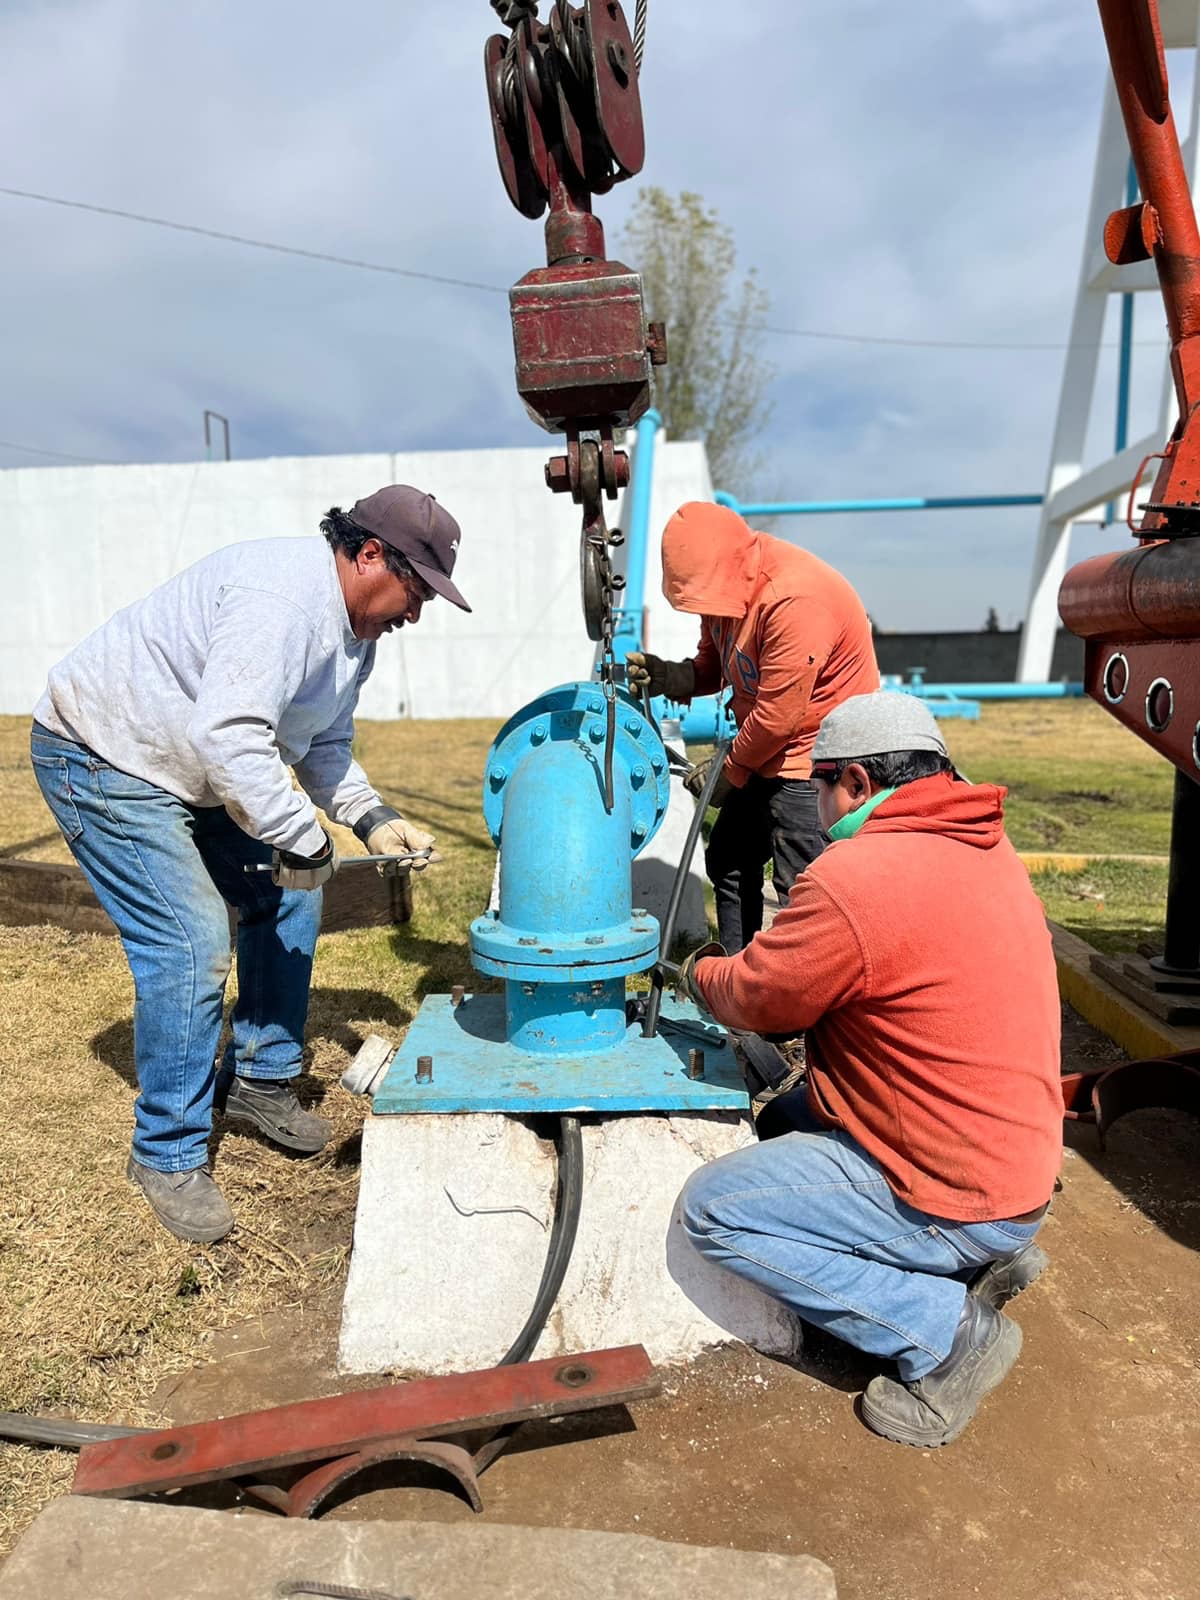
[740, 669]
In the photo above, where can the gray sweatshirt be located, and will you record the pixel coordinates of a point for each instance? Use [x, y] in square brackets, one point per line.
[216, 683]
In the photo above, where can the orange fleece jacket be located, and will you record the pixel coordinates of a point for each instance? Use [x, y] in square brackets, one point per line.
[916, 957]
[785, 630]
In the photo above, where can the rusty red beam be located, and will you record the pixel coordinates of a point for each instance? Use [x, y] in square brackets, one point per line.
[340, 1425]
[1162, 227]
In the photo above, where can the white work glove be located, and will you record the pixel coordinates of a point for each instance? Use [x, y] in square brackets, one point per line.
[290, 871]
[386, 833]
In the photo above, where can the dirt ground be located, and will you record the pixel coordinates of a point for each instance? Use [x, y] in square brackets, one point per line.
[1078, 1480]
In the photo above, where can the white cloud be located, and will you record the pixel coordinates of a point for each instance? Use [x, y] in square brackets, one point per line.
[918, 170]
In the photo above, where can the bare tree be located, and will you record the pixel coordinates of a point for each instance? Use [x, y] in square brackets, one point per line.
[714, 386]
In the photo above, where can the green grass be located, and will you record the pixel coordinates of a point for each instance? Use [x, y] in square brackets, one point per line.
[1114, 905]
[1077, 781]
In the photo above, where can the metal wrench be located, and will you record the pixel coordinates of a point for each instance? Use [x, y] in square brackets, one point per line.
[358, 861]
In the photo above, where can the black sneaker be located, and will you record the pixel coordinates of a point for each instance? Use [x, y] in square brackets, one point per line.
[1004, 1280]
[271, 1105]
[936, 1408]
[188, 1204]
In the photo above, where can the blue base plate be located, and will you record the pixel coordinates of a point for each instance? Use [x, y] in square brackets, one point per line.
[475, 1069]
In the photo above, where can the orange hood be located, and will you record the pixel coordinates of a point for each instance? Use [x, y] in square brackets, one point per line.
[971, 813]
[711, 561]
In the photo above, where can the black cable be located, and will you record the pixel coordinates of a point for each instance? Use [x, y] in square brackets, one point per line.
[658, 977]
[558, 1257]
[495, 288]
[562, 1240]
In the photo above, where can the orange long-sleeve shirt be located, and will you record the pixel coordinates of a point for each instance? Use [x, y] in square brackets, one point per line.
[916, 958]
[783, 629]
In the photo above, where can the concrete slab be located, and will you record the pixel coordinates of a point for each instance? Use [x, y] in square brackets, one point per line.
[452, 1228]
[118, 1550]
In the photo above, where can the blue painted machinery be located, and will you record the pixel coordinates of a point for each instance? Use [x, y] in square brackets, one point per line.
[564, 1037]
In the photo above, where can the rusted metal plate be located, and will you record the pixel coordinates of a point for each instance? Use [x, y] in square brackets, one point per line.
[1165, 1082]
[341, 1425]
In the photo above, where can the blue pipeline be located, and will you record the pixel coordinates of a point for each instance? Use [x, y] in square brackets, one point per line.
[567, 932]
[992, 691]
[627, 634]
[809, 508]
[709, 719]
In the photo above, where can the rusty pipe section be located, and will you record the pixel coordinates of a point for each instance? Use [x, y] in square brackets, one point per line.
[1163, 224]
[1149, 592]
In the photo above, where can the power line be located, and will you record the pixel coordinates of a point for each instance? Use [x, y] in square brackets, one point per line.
[492, 288]
[254, 244]
[60, 455]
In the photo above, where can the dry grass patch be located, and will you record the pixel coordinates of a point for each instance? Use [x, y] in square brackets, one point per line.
[98, 1304]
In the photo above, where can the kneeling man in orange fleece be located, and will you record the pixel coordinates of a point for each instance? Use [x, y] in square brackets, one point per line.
[895, 1197]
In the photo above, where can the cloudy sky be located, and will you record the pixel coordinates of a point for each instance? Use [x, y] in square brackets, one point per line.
[915, 171]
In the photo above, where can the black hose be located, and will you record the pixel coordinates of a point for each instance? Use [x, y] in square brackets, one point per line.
[562, 1241]
[658, 977]
[558, 1256]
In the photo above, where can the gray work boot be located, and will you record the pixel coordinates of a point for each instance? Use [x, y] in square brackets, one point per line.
[271, 1105]
[188, 1204]
[1003, 1280]
[936, 1408]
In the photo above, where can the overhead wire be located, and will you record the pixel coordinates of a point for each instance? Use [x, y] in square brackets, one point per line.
[329, 257]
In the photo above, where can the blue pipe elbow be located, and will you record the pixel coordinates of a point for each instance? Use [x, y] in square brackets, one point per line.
[567, 931]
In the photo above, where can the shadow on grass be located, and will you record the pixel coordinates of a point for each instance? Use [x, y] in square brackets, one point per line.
[329, 1017]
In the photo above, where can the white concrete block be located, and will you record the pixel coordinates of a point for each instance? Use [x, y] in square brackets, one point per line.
[432, 1290]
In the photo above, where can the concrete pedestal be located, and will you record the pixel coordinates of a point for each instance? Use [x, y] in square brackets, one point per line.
[441, 1283]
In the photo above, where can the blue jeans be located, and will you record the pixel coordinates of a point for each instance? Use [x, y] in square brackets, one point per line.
[810, 1218]
[164, 870]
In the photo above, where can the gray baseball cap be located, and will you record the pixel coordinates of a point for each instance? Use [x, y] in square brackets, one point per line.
[424, 532]
[876, 725]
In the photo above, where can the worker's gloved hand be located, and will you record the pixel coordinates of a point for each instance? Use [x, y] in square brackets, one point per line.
[290, 871]
[698, 776]
[386, 833]
[685, 984]
[675, 679]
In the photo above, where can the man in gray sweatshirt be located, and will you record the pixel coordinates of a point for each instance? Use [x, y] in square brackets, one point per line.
[162, 746]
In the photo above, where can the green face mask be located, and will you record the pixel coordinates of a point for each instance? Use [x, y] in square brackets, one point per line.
[849, 825]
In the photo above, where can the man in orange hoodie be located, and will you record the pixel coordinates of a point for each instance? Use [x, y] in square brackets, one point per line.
[790, 636]
[895, 1199]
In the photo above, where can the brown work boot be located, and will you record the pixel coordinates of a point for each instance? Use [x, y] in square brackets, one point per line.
[271, 1105]
[188, 1204]
[937, 1408]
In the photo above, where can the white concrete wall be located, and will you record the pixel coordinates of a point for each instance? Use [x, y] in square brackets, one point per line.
[80, 542]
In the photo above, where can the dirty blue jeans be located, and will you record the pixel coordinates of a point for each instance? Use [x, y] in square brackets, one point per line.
[810, 1218]
[164, 870]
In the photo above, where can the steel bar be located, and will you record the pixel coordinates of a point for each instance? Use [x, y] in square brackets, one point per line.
[358, 861]
[320, 1430]
[61, 1431]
